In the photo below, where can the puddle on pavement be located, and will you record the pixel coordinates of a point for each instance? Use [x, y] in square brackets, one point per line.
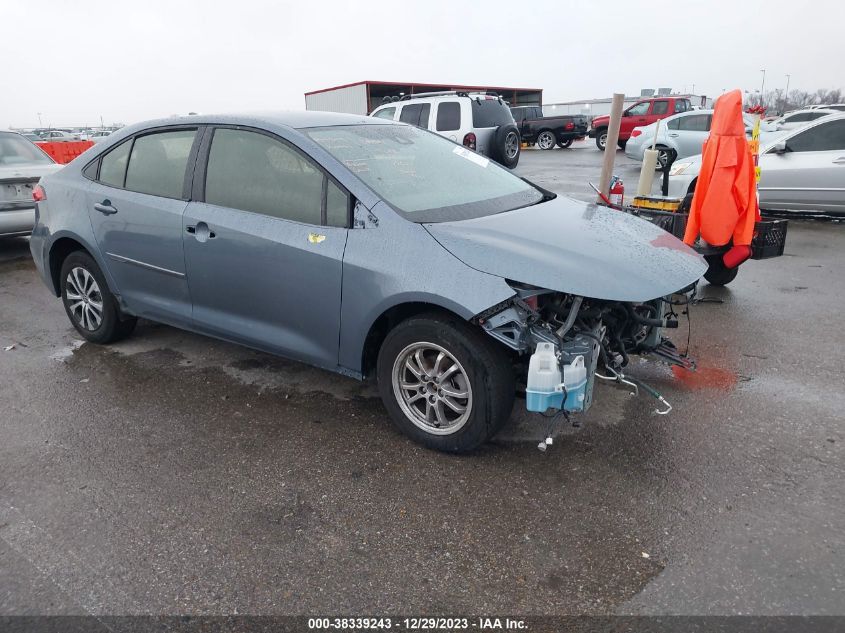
[66, 353]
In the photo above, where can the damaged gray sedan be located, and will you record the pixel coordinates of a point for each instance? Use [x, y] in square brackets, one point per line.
[366, 247]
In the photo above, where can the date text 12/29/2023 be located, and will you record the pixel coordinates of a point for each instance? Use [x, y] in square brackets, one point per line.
[417, 624]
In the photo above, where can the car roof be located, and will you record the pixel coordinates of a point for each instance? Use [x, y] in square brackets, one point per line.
[294, 119]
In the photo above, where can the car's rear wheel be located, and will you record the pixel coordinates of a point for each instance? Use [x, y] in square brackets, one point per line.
[565, 144]
[506, 146]
[665, 156]
[546, 140]
[89, 304]
[601, 139]
[717, 273]
[444, 383]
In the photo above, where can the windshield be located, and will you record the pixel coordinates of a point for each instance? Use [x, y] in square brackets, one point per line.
[16, 150]
[424, 176]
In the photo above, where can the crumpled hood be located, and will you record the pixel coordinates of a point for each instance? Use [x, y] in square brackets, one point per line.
[574, 247]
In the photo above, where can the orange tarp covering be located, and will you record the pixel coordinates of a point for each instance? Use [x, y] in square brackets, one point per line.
[64, 152]
[725, 202]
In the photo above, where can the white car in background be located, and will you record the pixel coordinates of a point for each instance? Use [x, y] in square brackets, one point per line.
[479, 121]
[22, 163]
[800, 170]
[99, 135]
[799, 118]
[681, 135]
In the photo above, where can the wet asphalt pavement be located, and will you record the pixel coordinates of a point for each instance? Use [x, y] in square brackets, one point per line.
[173, 473]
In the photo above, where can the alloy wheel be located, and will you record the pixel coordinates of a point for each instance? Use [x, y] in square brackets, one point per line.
[511, 145]
[84, 299]
[546, 140]
[432, 388]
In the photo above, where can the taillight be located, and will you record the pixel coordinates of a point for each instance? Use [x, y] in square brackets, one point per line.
[569, 126]
[636, 133]
[469, 141]
[38, 193]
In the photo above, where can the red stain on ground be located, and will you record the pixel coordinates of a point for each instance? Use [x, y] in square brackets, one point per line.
[705, 378]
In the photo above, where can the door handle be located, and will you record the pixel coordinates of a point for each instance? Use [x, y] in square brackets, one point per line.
[200, 231]
[673, 135]
[839, 161]
[105, 207]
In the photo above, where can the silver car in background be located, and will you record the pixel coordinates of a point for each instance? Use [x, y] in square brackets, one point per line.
[801, 170]
[681, 135]
[22, 164]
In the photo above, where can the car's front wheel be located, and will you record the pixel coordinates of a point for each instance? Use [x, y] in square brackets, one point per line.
[90, 305]
[444, 383]
[601, 139]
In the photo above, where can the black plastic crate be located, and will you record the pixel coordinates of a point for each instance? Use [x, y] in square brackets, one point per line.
[674, 223]
[769, 239]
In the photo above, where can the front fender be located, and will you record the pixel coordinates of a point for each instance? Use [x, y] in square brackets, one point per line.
[399, 262]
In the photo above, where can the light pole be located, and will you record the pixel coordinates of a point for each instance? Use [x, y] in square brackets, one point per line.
[786, 93]
[39, 120]
[762, 85]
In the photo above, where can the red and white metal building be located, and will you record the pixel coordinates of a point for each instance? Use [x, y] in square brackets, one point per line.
[363, 97]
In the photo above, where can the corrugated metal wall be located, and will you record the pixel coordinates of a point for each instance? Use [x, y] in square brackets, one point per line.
[352, 99]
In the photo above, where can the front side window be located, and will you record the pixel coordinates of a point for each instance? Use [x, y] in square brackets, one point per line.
[254, 172]
[387, 113]
[798, 118]
[639, 109]
[660, 107]
[694, 123]
[158, 161]
[416, 114]
[825, 137]
[448, 116]
[113, 165]
[422, 175]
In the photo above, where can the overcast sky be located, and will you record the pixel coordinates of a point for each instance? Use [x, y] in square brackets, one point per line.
[77, 60]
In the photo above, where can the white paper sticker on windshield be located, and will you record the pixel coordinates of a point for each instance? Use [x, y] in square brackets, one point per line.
[475, 158]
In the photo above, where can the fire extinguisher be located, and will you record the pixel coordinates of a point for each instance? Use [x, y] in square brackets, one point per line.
[617, 191]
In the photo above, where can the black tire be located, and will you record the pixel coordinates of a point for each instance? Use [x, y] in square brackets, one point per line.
[482, 363]
[112, 325]
[601, 138]
[507, 146]
[622, 144]
[717, 273]
[565, 144]
[664, 156]
[546, 140]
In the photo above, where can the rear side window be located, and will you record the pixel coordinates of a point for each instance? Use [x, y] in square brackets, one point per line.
[660, 107]
[694, 123]
[387, 113]
[254, 172]
[113, 166]
[798, 118]
[681, 105]
[416, 114]
[158, 161]
[490, 113]
[448, 116]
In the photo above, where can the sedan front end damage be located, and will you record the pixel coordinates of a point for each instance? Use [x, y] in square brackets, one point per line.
[598, 335]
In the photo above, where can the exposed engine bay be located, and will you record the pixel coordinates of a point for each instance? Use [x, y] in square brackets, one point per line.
[604, 333]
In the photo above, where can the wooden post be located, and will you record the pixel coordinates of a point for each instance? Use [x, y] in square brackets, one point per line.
[610, 145]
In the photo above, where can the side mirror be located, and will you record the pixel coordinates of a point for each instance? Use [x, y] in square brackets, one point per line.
[780, 147]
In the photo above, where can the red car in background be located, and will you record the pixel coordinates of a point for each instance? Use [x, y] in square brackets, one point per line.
[644, 112]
